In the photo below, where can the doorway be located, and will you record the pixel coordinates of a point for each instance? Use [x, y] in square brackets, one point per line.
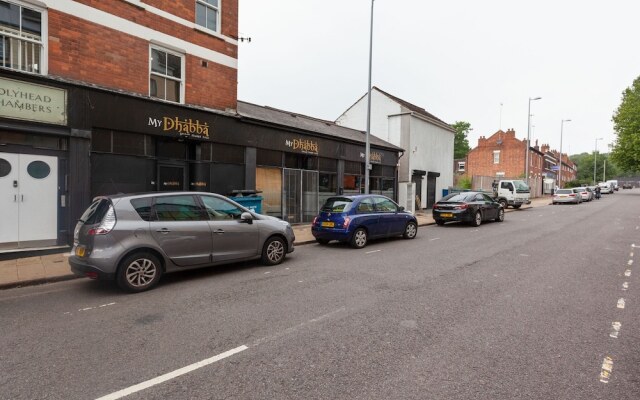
[300, 195]
[171, 177]
[28, 200]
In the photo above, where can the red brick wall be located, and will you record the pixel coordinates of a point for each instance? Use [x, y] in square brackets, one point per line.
[88, 52]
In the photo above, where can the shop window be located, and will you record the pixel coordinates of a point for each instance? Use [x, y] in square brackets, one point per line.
[269, 158]
[128, 143]
[166, 76]
[327, 186]
[327, 165]
[21, 43]
[300, 161]
[33, 140]
[208, 14]
[171, 149]
[351, 167]
[269, 182]
[353, 184]
[228, 154]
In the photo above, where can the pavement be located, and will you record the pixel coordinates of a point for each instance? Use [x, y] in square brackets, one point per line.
[36, 270]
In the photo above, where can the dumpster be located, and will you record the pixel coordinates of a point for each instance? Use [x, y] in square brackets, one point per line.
[248, 199]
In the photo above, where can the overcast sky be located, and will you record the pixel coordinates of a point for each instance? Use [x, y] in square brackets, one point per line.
[460, 60]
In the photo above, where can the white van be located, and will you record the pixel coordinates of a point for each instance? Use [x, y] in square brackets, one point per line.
[614, 184]
[605, 187]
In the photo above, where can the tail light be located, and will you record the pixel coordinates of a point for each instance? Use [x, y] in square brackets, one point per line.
[107, 224]
[435, 206]
[572, 195]
[346, 222]
[314, 220]
[461, 207]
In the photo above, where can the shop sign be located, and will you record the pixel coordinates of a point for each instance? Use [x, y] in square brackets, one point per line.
[374, 157]
[32, 102]
[183, 127]
[302, 145]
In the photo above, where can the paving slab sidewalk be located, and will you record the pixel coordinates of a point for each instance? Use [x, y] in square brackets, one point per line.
[55, 267]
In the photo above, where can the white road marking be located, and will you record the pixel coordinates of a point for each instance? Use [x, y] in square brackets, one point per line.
[620, 303]
[627, 273]
[171, 375]
[630, 262]
[268, 272]
[372, 251]
[615, 326]
[295, 328]
[300, 281]
[93, 308]
[625, 286]
[607, 369]
[634, 246]
[524, 255]
[631, 254]
[434, 239]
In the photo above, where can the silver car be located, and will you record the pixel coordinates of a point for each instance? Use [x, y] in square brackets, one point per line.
[566, 196]
[135, 239]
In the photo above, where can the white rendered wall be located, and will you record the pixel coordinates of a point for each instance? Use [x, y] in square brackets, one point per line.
[381, 107]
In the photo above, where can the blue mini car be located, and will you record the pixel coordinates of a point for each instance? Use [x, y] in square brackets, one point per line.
[356, 219]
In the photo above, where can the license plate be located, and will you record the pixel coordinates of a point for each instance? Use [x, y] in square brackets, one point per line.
[446, 215]
[80, 251]
[328, 224]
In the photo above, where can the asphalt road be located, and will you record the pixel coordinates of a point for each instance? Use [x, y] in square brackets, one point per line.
[524, 309]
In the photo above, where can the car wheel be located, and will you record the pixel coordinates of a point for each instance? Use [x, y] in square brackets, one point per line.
[322, 241]
[439, 222]
[273, 251]
[500, 217]
[411, 230]
[139, 272]
[359, 238]
[517, 206]
[504, 203]
[477, 220]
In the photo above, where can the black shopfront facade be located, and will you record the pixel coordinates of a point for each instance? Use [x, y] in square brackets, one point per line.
[110, 142]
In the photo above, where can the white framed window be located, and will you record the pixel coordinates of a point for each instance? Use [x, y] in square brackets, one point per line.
[496, 156]
[22, 32]
[166, 74]
[461, 166]
[208, 14]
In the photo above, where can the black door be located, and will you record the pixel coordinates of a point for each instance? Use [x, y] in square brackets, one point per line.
[170, 178]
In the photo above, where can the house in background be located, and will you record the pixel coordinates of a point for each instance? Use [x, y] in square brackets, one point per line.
[425, 168]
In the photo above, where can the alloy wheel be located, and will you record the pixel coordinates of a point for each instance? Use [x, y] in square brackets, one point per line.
[141, 272]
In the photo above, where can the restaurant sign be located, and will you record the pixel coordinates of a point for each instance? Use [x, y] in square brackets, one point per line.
[32, 102]
[302, 145]
[374, 157]
[184, 127]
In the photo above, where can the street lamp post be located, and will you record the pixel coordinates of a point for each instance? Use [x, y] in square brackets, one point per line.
[560, 170]
[526, 157]
[595, 155]
[367, 146]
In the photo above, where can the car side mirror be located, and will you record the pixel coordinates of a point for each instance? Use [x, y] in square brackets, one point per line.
[400, 209]
[246, 217]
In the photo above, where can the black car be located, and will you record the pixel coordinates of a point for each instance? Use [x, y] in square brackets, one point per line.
[471, 207]
[627, 185]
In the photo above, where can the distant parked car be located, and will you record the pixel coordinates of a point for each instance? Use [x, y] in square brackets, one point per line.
[471, 207]
[584, 193]
[357, 219]
[627, 185]
[135, 239]
[566, 196]
[605, 188]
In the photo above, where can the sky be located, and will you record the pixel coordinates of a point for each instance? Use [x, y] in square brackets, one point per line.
[463, 60]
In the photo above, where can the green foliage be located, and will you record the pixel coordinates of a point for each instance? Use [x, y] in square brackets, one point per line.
[460, 142]
[572, 184]
[626, 119]
[464, 182]
[584, 161]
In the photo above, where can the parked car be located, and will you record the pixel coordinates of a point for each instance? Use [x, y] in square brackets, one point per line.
[605, 188]
[584, 193]
[360, 218]
[135, 239]
[627, 185]
[566, 196]
[471, 207]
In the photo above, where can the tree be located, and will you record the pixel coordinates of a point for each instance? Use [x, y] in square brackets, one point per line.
[460, 142]
[626, 119]
[584, 162]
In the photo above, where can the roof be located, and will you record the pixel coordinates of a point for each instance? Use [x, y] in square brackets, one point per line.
[309, 124]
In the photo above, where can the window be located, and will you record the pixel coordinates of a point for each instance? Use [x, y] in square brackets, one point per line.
[166, 76]
[207, 14]
[385, 205]
[365, 206]
[178, 208]
[461, 165]
[21, 33]
[496, 156]
[219, 209]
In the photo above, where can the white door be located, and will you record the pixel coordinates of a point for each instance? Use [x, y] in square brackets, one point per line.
[9, 200]
[28, 200]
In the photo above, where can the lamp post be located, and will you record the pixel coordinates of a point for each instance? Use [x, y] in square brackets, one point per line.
[367, 147]
[595, 154]
[560, 170]
[526, 157]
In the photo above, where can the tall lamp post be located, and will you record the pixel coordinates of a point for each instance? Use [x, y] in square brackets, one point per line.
[367, 146]
[595, 155]
[560, 170]
[526, 157]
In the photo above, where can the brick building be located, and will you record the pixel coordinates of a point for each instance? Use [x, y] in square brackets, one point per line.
[106, 96]
[503, 155]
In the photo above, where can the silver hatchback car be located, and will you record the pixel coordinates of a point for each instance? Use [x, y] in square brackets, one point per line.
[135, 239]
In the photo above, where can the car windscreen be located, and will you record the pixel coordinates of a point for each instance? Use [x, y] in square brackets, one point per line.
[521, 185]
[95, 212]
[459, 197]
[337, 204]
[564, 191]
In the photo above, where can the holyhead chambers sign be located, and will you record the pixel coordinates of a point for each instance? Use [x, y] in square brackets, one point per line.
[32, 102]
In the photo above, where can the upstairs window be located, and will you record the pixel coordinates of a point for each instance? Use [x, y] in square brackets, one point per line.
[461, 166]
[207, 14]
[166, 75]
[21, 46]
[496, 156]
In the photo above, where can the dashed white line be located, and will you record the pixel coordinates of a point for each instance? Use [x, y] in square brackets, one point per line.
[524, 255]
[615, 329]
[607, 369]
[627, 273]
[372, 251]
[171, 375]
[631, 254]
[93, 308]
[625, 286]
[268, 272]
[630, 262]
[431, 240]
[620, 303]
